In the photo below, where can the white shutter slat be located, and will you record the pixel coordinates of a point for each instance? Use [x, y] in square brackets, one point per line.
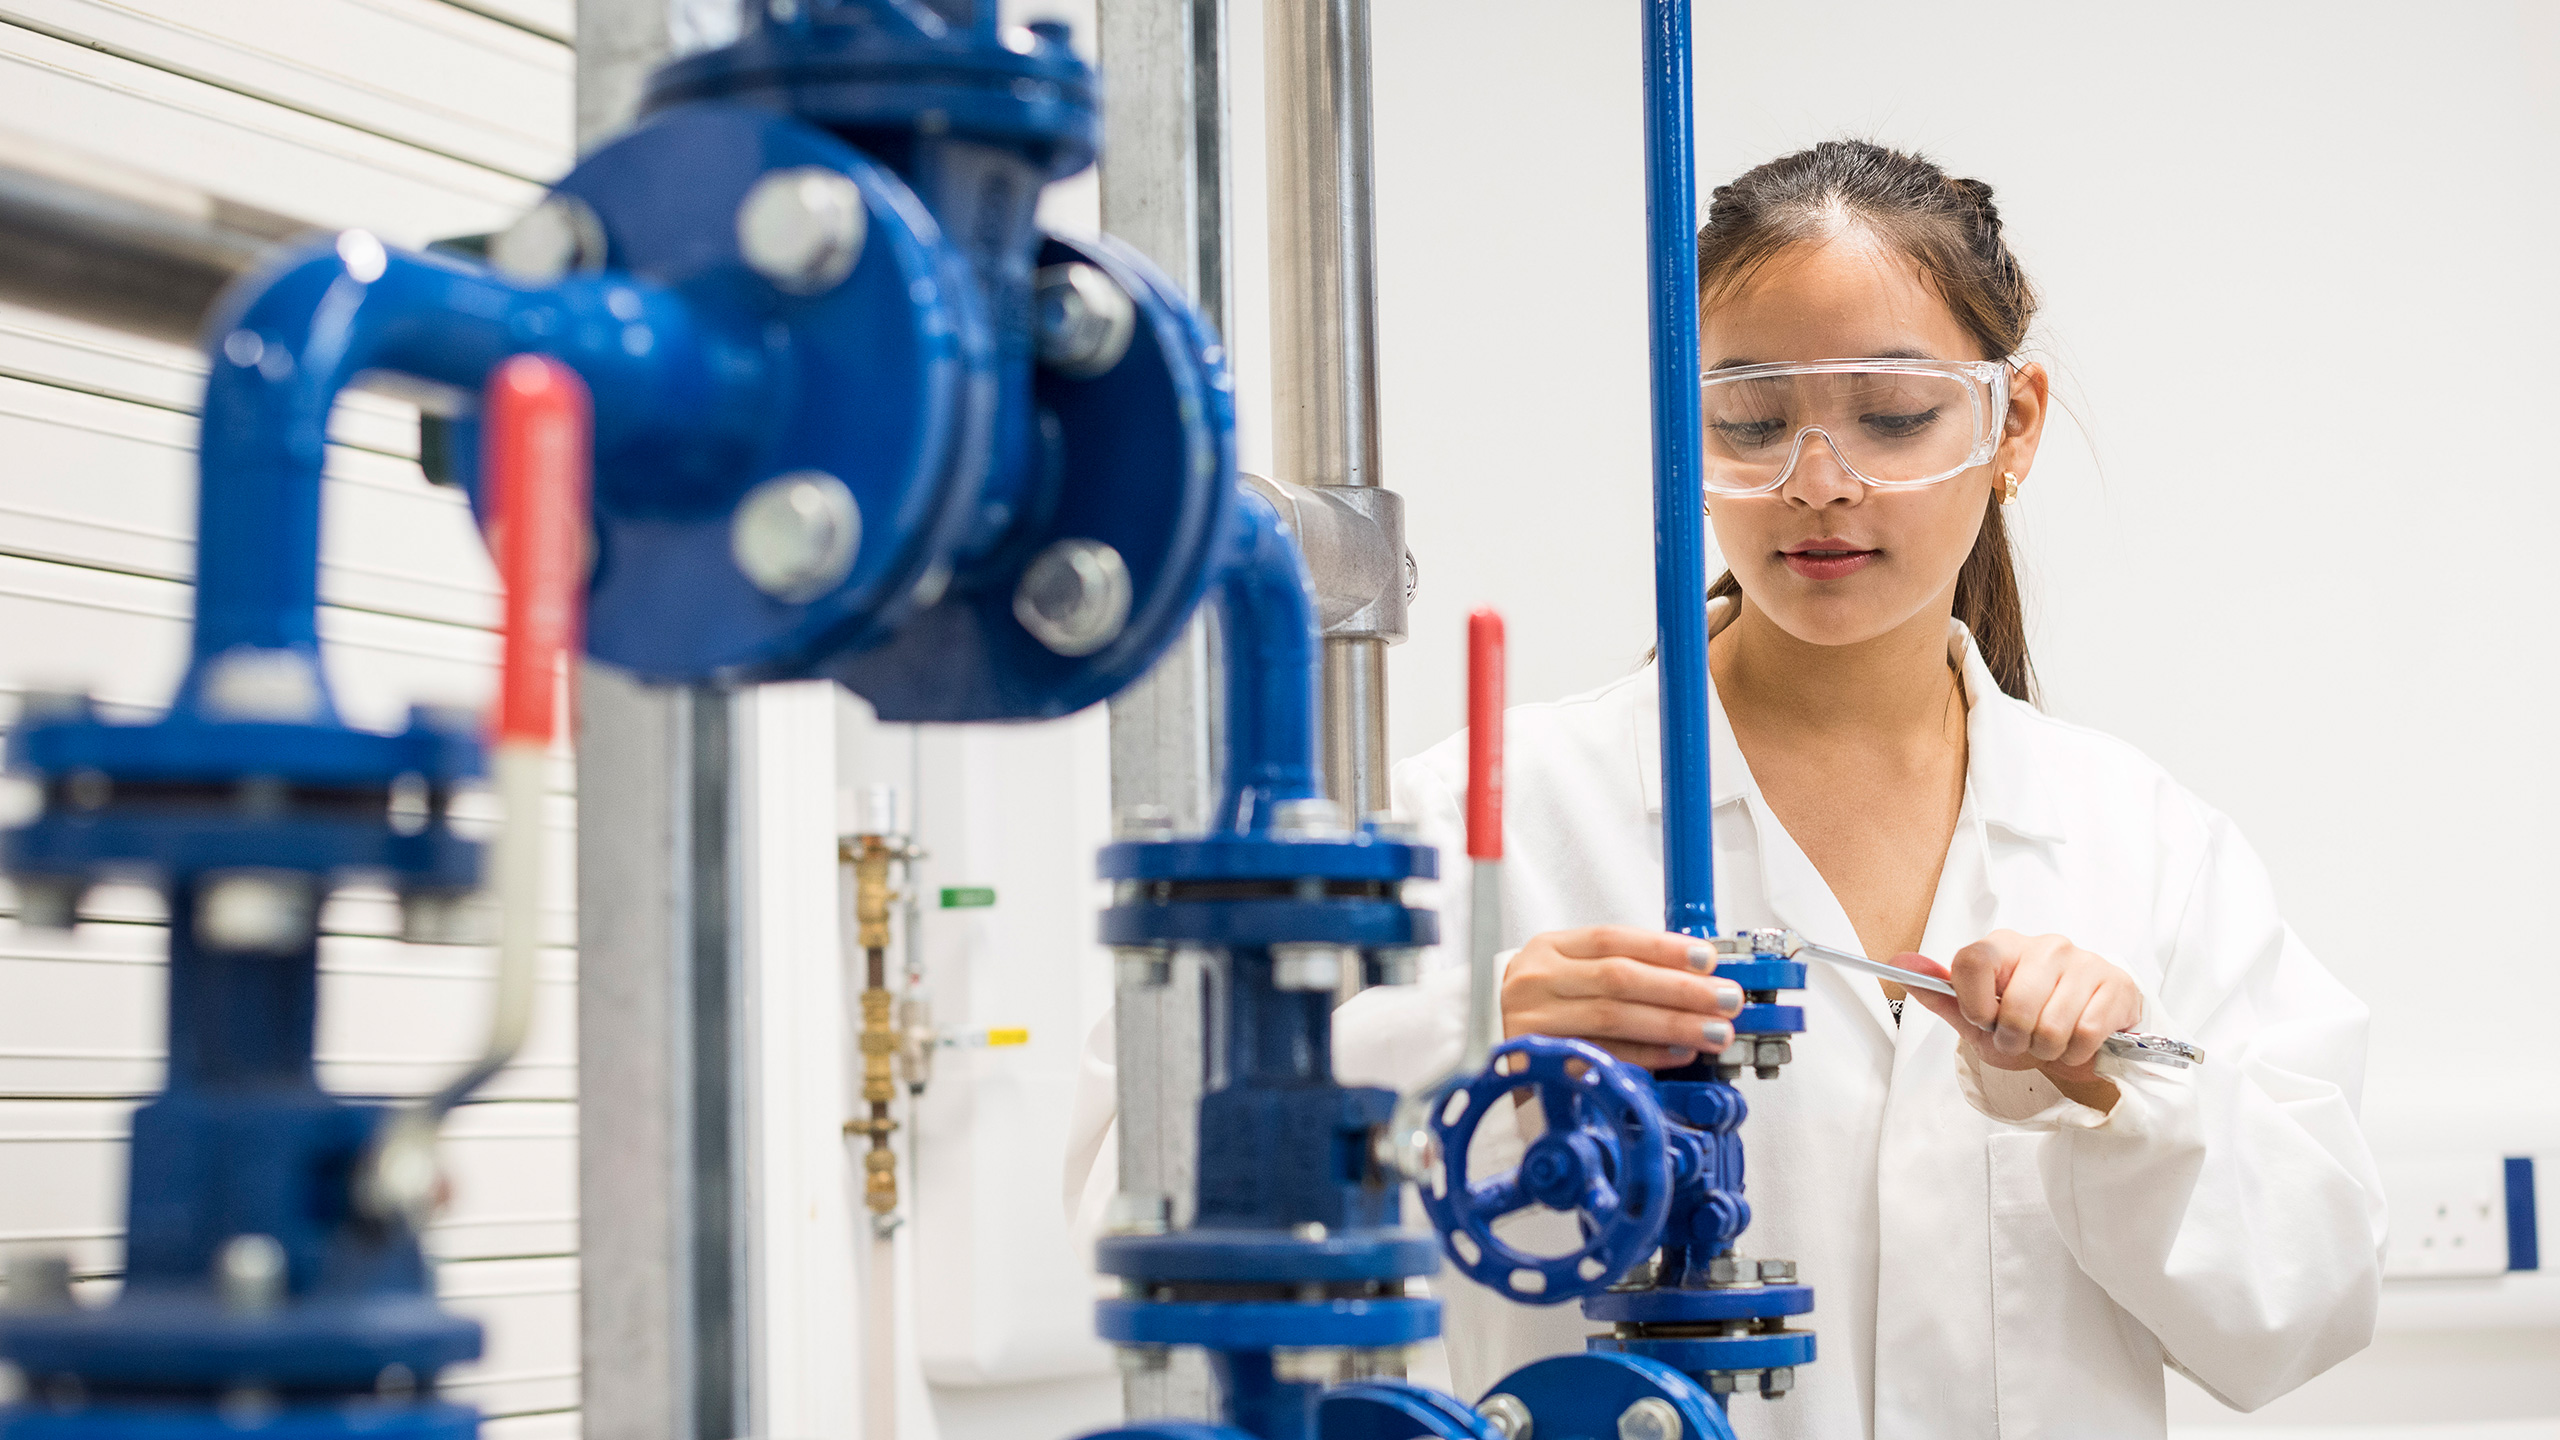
[394, 542]
[418, 71]
[243, 149]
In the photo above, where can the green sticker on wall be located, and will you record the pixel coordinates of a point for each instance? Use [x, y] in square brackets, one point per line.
[967, 897]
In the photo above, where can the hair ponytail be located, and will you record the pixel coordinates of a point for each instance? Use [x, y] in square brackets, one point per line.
[1949, 228]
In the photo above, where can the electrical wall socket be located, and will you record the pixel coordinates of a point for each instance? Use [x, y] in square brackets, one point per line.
[2448, 1216]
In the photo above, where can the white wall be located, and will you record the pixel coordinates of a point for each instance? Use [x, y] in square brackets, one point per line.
[417, 119]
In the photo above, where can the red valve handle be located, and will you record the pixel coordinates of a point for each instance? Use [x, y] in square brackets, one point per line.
[1484, 735]
[536, 461]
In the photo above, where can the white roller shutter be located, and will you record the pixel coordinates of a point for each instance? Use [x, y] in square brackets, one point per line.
[416, 119]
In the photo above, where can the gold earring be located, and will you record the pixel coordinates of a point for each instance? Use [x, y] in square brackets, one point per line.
[2011, 496]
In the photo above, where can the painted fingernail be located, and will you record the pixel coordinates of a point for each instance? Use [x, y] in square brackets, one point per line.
[1718, 1033]
[1702, 957]
[1728, 997]
[1682, 1057]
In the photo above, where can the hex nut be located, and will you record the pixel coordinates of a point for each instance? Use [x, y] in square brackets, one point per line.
[249, 1274]
[1651, 1418]
[1084, 319]
[1074, 597]
[803, 228]
[1508, 1416]
[560, 237]
[1777, 1272]
[794, 536]
[256, 912]
[1146, 966]
[1311, 818]
[1299, 968]
[1133, 1213]
[1778, 1381]
[1145, 1359]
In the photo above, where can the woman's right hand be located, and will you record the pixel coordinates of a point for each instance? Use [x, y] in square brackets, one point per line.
[1642, 995]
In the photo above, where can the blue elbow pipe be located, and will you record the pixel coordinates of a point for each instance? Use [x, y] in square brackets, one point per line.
[286, 345]
[1679, 499]
[1267, 624]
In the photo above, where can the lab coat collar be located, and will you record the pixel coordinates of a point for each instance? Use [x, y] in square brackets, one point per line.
[2000, 735]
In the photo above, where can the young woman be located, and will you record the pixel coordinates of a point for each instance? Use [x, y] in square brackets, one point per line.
[2007, 1232]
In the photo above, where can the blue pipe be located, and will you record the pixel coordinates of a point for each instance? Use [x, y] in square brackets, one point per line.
[1679, 501]
[1267, 625]
[285, 345]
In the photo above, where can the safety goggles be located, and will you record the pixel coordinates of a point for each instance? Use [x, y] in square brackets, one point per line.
[1890, 423]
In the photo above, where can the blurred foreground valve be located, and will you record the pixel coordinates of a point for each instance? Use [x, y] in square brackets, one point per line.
[848, 413]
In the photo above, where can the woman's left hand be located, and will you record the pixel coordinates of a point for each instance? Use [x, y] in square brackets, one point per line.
[2036, 1002]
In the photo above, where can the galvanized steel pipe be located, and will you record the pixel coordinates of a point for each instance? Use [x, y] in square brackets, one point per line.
[1324, 342]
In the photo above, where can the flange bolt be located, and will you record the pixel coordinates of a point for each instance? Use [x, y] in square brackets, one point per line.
[1507, 1415]
[1074, 597]
[249, 1273]
[794, 536]
[1085, 319]
[256, 912]
[560, 237]
[1650, 1418]
[803, 228]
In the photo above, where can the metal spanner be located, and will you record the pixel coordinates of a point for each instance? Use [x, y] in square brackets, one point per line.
[2126, 1044]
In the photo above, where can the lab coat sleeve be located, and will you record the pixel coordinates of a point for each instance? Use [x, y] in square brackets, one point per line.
[2233, 1209]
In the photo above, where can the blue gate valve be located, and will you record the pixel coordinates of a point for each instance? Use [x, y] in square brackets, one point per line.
[1605, 1158]
[853, 415]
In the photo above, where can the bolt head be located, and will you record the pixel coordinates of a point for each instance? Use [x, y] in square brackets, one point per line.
[1733, 1270]
[1300, 968]
[1651, 1418]
[1084, 319]
[1508, 1416]
[794, 536]
[249, 1272]
[1145, 1359]
[1777, 1272]
[1142, 822]
[1074, 597]
[1778, 1381]
[803, 228]
[1136, 1213]
[1395, 965]
[1148, 967]
[1314, 818]
[256, 912]
[560, 237]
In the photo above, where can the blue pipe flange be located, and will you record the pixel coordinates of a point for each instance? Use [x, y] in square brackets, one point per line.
[1609, 1397]
[1168, 1430]
[1603, 1157]
[835, 514]
[357, 1420]
[1394, 1410]
[1110, 549]
[1372, 1323]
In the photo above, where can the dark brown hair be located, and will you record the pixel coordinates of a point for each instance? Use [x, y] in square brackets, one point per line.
[1949, 228]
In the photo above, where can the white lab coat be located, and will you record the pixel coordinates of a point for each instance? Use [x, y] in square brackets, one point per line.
[1987, 1257]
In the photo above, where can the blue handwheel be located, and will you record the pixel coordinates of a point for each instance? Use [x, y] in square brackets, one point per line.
[1603, 1158]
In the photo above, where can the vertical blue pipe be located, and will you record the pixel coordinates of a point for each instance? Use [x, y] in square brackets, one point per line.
[1679, 503]
[1267, 624]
